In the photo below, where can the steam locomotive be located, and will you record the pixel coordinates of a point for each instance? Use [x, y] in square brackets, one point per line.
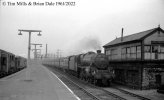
[91, 67]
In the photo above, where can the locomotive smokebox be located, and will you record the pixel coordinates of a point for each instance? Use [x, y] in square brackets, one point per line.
[98, 51]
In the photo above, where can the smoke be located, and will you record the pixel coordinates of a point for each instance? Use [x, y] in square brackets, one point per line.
[82, 45]
[90, 43]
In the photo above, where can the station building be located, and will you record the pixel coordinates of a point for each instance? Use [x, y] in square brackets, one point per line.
[138, 59]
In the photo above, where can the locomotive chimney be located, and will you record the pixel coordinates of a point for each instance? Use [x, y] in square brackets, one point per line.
[98, 51]
[122, 34]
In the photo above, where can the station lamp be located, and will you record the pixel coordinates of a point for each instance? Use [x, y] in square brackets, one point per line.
[19, 33]
[39, 34]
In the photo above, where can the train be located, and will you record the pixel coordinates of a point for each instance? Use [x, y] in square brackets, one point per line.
[91, 67]
[10, 63]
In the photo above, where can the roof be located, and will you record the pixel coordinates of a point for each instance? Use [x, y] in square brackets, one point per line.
[136, 36]
[6, 51]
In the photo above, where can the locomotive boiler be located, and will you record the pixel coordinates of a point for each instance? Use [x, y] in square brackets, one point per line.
[93, 67]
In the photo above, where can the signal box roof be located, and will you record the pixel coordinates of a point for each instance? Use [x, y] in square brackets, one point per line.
[133, 37]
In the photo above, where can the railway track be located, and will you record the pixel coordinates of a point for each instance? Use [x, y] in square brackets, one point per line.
[132, 94]
[114, 91]
[95, 93]
[99, 93]
[125, 94]
[78, 90]
[120, 92]
[91, 92]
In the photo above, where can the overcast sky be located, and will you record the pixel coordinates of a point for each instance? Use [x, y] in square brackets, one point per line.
[89, 24]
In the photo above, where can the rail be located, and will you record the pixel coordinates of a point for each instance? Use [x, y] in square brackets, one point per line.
[100, 88]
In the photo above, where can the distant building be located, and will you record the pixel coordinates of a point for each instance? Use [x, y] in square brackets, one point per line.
[138, 59]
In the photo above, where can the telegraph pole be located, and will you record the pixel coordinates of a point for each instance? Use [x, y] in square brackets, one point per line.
[58, 53]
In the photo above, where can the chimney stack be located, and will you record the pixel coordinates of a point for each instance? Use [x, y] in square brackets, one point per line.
[122, 34]
[98, 51]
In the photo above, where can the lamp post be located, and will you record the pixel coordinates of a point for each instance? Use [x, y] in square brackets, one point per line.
[39, 53]
[35, 48]
[46, 51]
[29, 46]
[36, 52]
[1, 2]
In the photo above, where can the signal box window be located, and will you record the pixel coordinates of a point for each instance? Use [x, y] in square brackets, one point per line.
[154, 54]
[138, 52]
[147, 52]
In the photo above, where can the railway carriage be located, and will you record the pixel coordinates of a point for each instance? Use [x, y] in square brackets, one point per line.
[91, 67]
[57, 62]
[20, 62]
[9, 63]
[62, 63]
[65, 63]
[3, 62]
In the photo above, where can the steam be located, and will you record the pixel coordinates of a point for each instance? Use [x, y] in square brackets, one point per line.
[83, 45]
[89, 43]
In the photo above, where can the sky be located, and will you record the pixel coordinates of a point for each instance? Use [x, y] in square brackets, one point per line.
[88, 25]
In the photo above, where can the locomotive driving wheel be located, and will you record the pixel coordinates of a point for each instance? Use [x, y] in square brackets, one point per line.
[98, 82]
[105, 82]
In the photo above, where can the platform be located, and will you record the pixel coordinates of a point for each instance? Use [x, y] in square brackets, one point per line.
[34, 83]
[150, 94]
